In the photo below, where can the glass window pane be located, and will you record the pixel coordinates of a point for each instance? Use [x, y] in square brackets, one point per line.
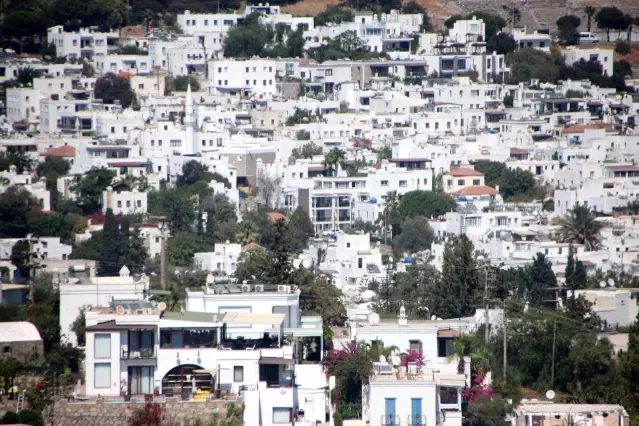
[238, 374]
[102, 375]
[176, 340]
[102, 346]
[282, 415]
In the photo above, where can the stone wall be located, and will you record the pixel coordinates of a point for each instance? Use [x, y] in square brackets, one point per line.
[117, 413]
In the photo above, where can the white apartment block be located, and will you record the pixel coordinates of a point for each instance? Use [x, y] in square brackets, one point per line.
[84, 43]
[605, 56]
[124, 202]
[251, 76]
[222, 259]
[116, 64]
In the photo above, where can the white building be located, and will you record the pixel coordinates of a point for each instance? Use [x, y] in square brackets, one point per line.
[137, 347]
[248, 77]
[84, 43]
[124, 201]
[223, 259]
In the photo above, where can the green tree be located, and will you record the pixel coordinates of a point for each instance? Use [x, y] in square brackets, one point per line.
[111, 88]
[248, 38]
[333, 158]
[247, 232]
[20, 159]
[111, 245]
[576, 276]
[487, 411]
[590, 12]
[333, 14]
[221, 220]
[280, 266]
[611, 18]
[79, 326]
[21, 258]
[319, 296]
[17, 207]
[512, 182]
[181, 247]
[181, 83]
[308, 150]
[50, 225]
[417, 235]
[622, 47]
[629, 361]
[300, 229]
[90, 186]
[177, 206]
[580, 226]
[193, 172]
[502, 43]
[252, 266]
[528, 63]
[51, 169]
[540, 278]
[391, 218]
[459, 291]
[425, 203]
[568, 26]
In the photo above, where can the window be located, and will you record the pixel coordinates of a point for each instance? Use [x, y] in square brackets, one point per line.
[448, 395]
[238, 373]
[415, 345]
[102, 375]
[7, 349]
[102, 346]
[282, 415]
[461, 182]
[188, 338]
[384, 183]
[141, 380]
[476, 181]
[403, 183]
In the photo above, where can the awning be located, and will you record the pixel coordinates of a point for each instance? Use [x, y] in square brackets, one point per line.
[211, 371]
[448, 333]
[276, 361]
[251, 318]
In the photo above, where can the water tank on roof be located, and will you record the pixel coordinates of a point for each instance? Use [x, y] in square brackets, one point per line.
[408, 260]
[491, 131]
[373, 200]
[462, 198]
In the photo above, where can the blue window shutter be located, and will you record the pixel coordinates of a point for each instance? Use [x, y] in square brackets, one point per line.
[390, 411]
[416, 411]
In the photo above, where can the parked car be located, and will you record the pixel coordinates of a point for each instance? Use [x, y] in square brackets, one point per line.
[585, 38]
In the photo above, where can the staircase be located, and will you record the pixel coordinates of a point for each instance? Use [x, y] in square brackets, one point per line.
[21, 398]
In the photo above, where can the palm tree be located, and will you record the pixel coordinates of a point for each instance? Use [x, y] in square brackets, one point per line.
[580, 226]
[334, 157]
[247, 232]
[590, 12]
[391, 212]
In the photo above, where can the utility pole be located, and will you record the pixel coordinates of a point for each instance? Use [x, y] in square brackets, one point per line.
[552, 366]
[163, 255]
[486, 316]
[505, 343]
[163, 228]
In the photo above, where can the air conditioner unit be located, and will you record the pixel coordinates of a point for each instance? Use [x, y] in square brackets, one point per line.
[246, 288]
[294, 289]
[259, 288]
[283, 288]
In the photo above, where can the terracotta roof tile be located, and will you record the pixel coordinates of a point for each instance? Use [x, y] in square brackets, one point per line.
[580, 128]
[60, 151]
[251, 246]
[477, 190]
[275, 216]
[464, 171]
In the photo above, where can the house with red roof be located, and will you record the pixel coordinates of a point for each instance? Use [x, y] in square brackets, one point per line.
[460, 177]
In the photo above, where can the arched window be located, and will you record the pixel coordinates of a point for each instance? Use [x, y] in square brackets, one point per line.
[181, 379]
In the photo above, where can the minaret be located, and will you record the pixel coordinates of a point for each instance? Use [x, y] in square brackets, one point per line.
[189, 123]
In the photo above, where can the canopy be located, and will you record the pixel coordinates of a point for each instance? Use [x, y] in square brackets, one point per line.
[253, 318]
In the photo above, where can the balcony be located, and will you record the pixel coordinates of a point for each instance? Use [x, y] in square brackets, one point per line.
[138, 353]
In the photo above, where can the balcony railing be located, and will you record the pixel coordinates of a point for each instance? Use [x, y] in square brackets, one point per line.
[139, 353]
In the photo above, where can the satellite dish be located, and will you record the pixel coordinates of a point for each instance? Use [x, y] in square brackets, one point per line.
[611, 282]
[396, 361]
[136, 277]
[433, 318]
[602, 284]
[373, 319]
[382, 358]
[210, 279]
[161, 307]
[550, 394]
